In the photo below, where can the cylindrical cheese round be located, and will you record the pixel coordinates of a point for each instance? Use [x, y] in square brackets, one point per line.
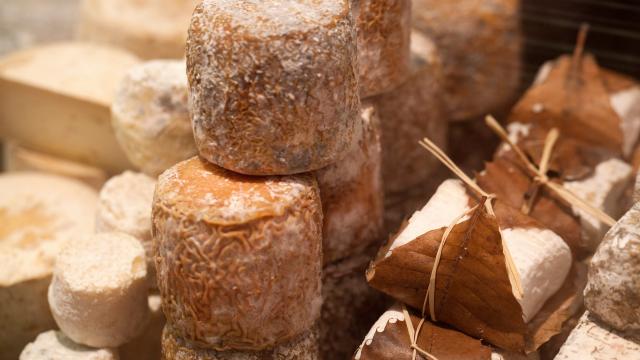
[238, 258]
[273, 84]
[147, 345]
[481, 43]
[351, 193]
[39, 214]
[98, 294]
[383, 43]
[151, 29]
[55, 345]
[150, 116]
[303, 346]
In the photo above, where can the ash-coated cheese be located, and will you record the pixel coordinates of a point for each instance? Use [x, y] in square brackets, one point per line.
[303, 346]
[273, 85]
[147, 346]
[151, 29]
[605, 189]
[383, 28]
[125, 206]
[150, 116]
[56, 99]
[410, 112]
[98, 294]
[480, 42]
[351, 193]
[54, 345]
[613, 290]
[596, 341]
[238, 258]
[20, 158]
[39, 213]
[541, 257]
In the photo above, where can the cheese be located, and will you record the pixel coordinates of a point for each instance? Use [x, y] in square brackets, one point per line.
[55, 345]
[351, 193]
[249, 248]
[303, 346]
[125, 206]
[20, 158]
[592, 340]
[278, 94]
[541, 257]
[38, 214]
[147, 346]
[383, 28]
[489, 79]
[73, 85]
[151, 116]
[613, 290]
[151, 29]
[605, 190]
[98, 294]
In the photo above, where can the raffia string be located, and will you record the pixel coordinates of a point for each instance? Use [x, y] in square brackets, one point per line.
[549, 143]
[413, 335]
[542, 178]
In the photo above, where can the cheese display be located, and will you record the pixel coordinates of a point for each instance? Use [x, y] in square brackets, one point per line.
[73, 85]
[593, 340]
[151, 29]
[39, 213]
[383, 28]
[55, 345]
[277, 95]
[303, 346]
[147, 345]
[351, 193]
[488, 80]
[98, 294]
[613, 288]
[151, 116]
[238, 258]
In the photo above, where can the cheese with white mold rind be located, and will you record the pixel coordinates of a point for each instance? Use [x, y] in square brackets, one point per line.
[541, 257]
[605, 190]
[56, 345]
[595, 341]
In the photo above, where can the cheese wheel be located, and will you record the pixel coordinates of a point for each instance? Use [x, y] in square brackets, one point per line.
[303, 346]
[150, 116]
[55, 345]
[39, 213]
[481, 43]
[20, 158]
[349, 305]
[151, 29]
[351, 192]
[383, 28]
[278, 94]
[147, 345]
[542, 259]
[410, 112]
[56, 99]
[238, 257]
[98, 294]
[125, 206]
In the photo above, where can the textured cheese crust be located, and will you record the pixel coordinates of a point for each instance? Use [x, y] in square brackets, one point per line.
[408, 113]
[613, 290]
[147, 346]
[273, 84]
[490, 30]
[73, 85]
[592, 340]
[541, 257]
[19, 158]
[150, 116]
[351, 193]
[303, 346]
[55, 345]
[383, 43]
[605, 190]
[238, 258]
[98, 294]
[151, 29]
[38, 214]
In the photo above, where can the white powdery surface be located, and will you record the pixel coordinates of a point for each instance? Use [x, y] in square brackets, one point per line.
[55, 345]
